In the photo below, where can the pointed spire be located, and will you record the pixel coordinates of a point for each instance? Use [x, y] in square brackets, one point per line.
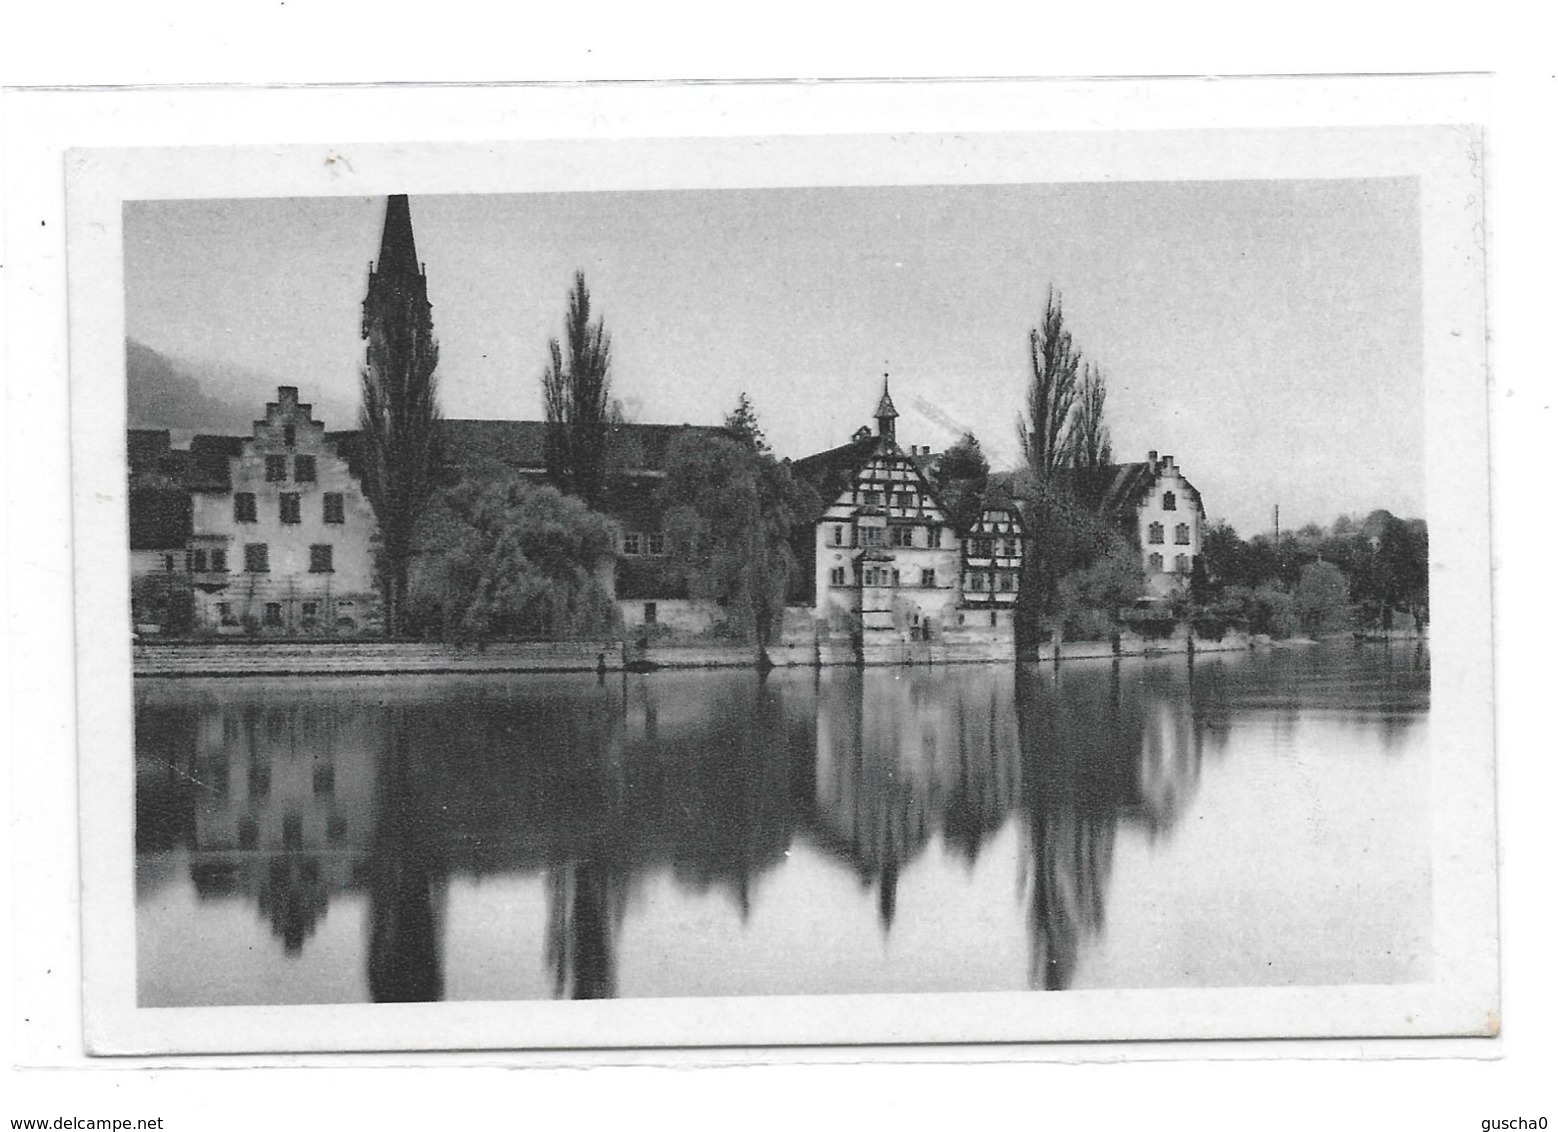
[885, 413]
[397, 272]
[398, 249]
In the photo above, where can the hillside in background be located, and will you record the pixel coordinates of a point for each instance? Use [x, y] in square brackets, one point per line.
[190, 396]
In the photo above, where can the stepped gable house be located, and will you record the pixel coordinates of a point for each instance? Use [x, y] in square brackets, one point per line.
[1156, 507]
[282, 534]
[885, 558]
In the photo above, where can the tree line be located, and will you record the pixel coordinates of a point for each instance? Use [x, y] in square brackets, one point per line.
[505, 556]
[501, 555]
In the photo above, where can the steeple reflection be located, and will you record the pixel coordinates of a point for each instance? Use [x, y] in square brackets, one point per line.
[404, 871]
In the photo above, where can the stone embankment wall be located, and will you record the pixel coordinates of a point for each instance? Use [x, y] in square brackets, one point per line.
[330, 658]
[969, 645]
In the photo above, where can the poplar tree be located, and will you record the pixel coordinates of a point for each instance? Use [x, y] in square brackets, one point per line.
[400, 414]
[576, 389]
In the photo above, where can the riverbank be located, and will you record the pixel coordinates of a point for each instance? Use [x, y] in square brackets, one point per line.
[362, 658]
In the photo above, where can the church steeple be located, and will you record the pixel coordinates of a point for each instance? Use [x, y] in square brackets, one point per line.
[397, 278]
[886, 415]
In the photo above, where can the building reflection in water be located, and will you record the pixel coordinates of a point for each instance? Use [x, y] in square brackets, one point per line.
[709, 779]
[1098, 747]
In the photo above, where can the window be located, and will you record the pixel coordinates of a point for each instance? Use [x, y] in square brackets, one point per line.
[657, 543]
[631, 543]
[324, 778]
[224, 613]
[871, 498]
[1181, 564]
[927, 578]
[275, 469]
[321, 560]
[1155, 533]
[335, 507]
[871, 536]
[248, 832]
[1155, 562]
[243, 507]
[303, 469]
[976, 582]
[335, 829]
[1182, 534]
[838, 536]
[292, 831]
[273, 613]
[219, 561]
[651, 613]
[934, 540]
[289, 433]
[291, 507]
[836, 576]
[256, 558]
[903, 499]
[895, 578]
[1008, 582]
[195, 561]
[902, 536]
[981, 548]
[1169, 502]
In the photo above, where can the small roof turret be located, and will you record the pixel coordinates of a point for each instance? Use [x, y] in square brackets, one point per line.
[886, 414]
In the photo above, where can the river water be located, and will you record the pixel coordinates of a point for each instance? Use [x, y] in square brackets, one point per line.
[1231, 820]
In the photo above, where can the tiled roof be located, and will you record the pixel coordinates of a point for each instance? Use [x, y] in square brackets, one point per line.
[832, 471]
[1117, 488]
[206, 467]
[159, 518]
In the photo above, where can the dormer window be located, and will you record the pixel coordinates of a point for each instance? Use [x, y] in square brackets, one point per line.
[1169, 503]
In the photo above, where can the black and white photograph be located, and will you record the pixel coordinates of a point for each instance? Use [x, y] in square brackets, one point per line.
[798, 590]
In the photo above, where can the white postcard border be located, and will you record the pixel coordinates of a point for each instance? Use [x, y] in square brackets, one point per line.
[1462, 999]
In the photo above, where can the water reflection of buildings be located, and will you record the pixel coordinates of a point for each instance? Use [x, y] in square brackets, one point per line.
[710, 779]
[904, 755]
[272, 804]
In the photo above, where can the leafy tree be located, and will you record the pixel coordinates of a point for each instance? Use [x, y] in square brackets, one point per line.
[1052, 391]
[399, 414]
[741, 422]
[729, 510]
[1321, 602]
[961, 477]
[511, 558]
[1091, 597]
[1071, 536]
[576, 388]
[1403, 568]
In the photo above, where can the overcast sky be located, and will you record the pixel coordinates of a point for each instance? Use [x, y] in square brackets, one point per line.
[1267, 334]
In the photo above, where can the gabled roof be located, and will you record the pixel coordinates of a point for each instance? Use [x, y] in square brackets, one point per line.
[1117, 488]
